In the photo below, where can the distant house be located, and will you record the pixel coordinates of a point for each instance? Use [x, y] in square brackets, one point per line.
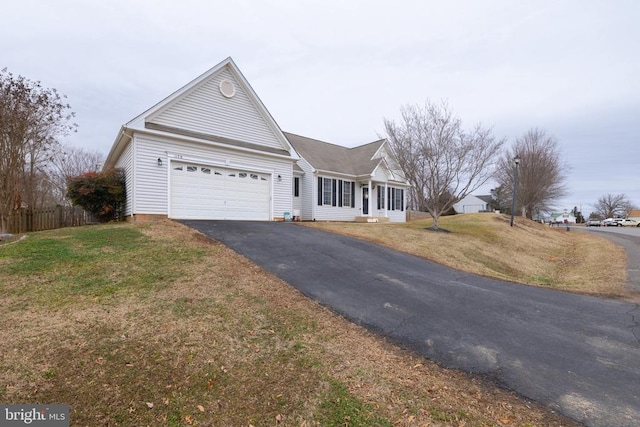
[564, 217]
[212, 150]
[473, 204]
[634, 214]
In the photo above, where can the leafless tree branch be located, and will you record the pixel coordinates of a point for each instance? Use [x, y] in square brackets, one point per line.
[443, 162]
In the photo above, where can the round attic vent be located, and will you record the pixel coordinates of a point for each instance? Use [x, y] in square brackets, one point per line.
[227, 89]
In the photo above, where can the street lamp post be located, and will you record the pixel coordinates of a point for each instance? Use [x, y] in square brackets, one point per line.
[515, 188]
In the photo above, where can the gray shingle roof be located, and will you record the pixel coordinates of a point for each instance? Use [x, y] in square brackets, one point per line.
[486, 198]
[329, 157]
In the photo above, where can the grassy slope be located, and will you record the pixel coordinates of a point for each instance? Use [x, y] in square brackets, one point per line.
[528, 253]
[155, 325]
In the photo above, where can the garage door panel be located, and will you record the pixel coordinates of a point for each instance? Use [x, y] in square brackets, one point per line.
[203, 192]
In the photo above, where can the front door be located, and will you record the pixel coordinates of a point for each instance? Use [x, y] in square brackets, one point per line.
[365, 201]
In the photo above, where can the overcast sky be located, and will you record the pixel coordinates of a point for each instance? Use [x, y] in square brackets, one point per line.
[332, 70]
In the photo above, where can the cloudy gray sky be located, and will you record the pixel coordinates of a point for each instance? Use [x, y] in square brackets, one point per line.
[332, 70]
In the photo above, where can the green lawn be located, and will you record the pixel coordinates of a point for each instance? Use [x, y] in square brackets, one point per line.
[156, 325]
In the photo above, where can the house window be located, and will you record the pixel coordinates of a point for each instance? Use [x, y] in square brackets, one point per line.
[346, 193]
[380, 197]
[394, 198]
[327, 191]
[296, 187]
[399, 202]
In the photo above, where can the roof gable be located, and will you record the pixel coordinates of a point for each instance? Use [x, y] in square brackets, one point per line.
[485, 198]
[218, 104]
[329, 157]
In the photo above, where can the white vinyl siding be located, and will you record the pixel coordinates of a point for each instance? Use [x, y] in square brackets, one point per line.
[151, 180]
[396, 204]
[471, 204]
[397, 216]
[125, 162]
[332, 188]
[206, 110]
[390, 201]
[307, 191]
[381, 174]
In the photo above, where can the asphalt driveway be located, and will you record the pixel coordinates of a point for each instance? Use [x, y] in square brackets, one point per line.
[579, 355]
[629, 239]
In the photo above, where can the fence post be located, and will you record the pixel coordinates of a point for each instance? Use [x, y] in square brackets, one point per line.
[59, 217]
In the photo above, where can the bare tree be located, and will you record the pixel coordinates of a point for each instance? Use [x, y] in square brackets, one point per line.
[541, 172]
[443, 162]
[613, 206]
[32, 119]
[67, 161]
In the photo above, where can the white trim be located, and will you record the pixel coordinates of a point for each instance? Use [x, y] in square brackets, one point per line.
[370, 199]
[185, 90]
[226, 163]
[137, 123]
[169, 135]
[383, 145]
[326, 172]
[134, 170]
[273, 189]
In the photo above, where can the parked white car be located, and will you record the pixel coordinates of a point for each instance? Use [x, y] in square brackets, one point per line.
[611, 222]
[629, 223]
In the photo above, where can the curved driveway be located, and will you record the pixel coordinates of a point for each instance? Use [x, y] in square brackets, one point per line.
[629, 239]
[579, 355]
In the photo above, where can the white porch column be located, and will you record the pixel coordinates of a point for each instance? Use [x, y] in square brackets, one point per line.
[369, 203]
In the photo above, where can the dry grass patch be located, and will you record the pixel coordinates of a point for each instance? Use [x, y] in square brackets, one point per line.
[210, 339]
[485, 244]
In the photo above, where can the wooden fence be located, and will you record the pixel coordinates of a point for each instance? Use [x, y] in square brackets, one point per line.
[25, 220]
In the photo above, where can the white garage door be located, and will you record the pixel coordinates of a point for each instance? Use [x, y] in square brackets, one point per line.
[209, 192]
